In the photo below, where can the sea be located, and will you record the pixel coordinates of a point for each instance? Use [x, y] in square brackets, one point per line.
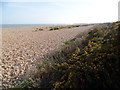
[24, 25]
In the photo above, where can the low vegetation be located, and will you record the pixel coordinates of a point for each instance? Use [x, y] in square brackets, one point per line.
[67, 27]
[89, 61]
[38, 29]
[59, 27]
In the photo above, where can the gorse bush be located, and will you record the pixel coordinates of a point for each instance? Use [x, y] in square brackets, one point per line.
[95, 65]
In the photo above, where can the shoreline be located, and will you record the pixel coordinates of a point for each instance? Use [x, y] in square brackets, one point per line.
[28, 25]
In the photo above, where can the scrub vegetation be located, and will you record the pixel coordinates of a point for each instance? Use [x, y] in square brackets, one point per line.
[89, 61]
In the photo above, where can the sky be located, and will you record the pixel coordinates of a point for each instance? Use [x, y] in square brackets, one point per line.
[58, 11]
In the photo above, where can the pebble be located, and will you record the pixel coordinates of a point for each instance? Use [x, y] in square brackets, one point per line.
[23, 48]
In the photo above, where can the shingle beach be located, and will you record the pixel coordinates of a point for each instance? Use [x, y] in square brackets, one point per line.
[23, 47]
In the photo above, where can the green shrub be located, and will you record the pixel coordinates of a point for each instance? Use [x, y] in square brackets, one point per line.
[95, 65]
[23, 85]
[54, 28]
[68, 42]
[38, 29]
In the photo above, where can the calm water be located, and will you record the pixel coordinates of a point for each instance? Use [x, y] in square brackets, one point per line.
[24, 25]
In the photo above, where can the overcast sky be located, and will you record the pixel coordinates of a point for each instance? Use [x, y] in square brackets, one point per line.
[58, 11]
